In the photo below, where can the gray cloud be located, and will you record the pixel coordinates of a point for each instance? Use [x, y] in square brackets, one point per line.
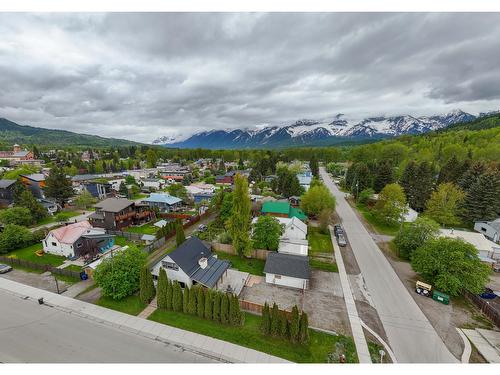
[141, 76]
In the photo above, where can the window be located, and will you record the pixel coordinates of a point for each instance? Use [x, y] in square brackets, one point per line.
[483, 229]
[78, 245]
[170, 266]
[277, 276]
[54, 244]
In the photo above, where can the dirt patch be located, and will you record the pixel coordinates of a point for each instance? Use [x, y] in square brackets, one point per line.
[350, 263]
[370, 316]
[91, 296]
[327, 312]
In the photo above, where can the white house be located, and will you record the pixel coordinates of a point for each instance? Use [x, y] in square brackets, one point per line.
[294, 228]
[287, 270]
[486, 249]
[491, 229]
[193, 263]
[66, 241]
[153, 183]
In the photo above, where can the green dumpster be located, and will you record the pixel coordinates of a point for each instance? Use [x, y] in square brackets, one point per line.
[441, 297]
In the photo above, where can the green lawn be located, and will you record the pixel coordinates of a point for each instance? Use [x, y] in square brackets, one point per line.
[67, 279]
[73, 267]
[323, 265]
[28, 253]
[122, 241]
[318, 242]
[380, 227]
[130, 305]
[61, 216]
[147, 228]
[316, 351]
[253, 266]
[138, 196]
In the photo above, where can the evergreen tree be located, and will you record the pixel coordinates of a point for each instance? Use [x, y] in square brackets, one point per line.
[216, 307]
[147, 288]
[452, 171]
[180, 237]
[200, 303]
[224, 309]
[239, 317]
[265, 323]
[123, 189]
[482, 200]
[185, 300]
[383, 176]
[177, 296]
[208, 304]
[275, 320]
[283, 328]
[418, 183]
[58, 186]
[27, 200]
[162, 289]
[170, 296]
[471, 175]
[239, 222]
[192, 300]
[314, 165]
[295, 324]
[304, 328]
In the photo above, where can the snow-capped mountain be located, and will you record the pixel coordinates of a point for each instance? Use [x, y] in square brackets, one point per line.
[314, 132]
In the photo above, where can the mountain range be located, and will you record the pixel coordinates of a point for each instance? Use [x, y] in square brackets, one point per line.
[338, 130]
[11, 133]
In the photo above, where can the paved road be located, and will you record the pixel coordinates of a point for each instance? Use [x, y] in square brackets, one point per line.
[411, 336]
[35, 333]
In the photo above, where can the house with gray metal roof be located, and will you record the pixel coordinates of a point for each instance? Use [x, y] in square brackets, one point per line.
[490, 229]
[193, 263]
[287, 270]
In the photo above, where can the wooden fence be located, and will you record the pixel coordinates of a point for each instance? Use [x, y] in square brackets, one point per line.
[229, 249]
[256, 308]
[38, 266]
[488, 309]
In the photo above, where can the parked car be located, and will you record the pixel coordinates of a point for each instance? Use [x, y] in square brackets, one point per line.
[341, 240]
[337, 229]
[202, 228]
[488, 294]
[4, 268]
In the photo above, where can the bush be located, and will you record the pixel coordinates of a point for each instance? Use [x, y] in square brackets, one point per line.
[294, 325]
[169, 296]
[216, 308]
[17, 216]
[192, 301]
[225, 238]
[14, 237]
[200, 303]
[162, 289]
[224, 309]
[119, 275]
[265, 324]
[365, 195]
[208, 305]
[304, 328]
[177, 296]
[275, 320]
[147, 288]
[413, 235]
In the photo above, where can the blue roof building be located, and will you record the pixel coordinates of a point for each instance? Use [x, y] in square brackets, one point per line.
[165, 202]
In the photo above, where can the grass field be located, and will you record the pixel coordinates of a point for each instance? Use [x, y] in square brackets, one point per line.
[249, 335]
[122, 241]
[323, 266]
[147, 228]
[379, 226]
[73, 267]
[61, 216]
[318, 242]
[28, 253]
[130, 305]
[253, 266]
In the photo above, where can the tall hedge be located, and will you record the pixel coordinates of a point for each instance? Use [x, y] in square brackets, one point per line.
[169, 295]
[192, 301]
[275, 320]
[216, 308]
[176, 296]
[200, 302]
[283, 325]
[265, 323]
[185, 300]
[224, 309]
[208, 305]
[295, 325]
[304, 328]
[147, 288]
[162, 289]
[235, 315]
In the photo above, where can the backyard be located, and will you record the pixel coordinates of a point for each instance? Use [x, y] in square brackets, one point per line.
[252, 266]
[249, 335]
[147, 228]
[28, 254]
[318, 242]
[130, 305]
[61, 216]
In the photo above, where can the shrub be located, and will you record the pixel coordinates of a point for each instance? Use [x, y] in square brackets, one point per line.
[224, 309]
[192, 301]
[200, 303]
[365, 195]
[185, 300]
[216, 307]
[169, 296]
[177, 296]
[208, 305]
[162, 288]
[265, 323]
[275, 320]
[295, 325]
[304, 328]
[147, 288]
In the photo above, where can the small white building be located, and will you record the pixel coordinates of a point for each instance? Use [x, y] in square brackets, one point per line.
[153, 183]
[490, 229]
[287, 270]
[294, 246]
[485, 248]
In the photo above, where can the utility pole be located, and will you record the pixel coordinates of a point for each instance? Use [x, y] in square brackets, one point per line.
[57, 284]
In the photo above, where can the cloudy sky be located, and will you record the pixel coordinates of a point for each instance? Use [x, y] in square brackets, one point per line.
[142, 76]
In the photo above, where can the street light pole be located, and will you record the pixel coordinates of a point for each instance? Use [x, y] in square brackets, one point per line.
[57, 284]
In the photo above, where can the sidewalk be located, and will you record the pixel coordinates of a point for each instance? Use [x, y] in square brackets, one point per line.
[217, 349]
[352, 312]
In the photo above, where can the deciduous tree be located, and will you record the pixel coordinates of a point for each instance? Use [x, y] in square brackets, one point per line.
[443, 205]
[316, 199]
[267, 232]
[391, 204]
[239, 222]
[413, 235]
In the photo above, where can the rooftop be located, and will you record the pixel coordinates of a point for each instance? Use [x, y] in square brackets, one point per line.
[288, 265]
[72, 232]
[114, 204]
[477, 240]
[162, 198]
[6, 183]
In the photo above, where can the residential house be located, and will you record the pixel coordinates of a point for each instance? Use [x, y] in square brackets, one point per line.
[294, 201]
[119, 213]
[287, 270]
[200, 192]
[154, 184]
[51, 206]
[35, 182]
[98, 189]
[490, 229]
[282, 209]
[193, 263]
[172, 179]
[293, 240]
[487, 250]
[7, 192]
[226, 179]
[77, 240]
[17, 155]
[163, 201]
[305, 179]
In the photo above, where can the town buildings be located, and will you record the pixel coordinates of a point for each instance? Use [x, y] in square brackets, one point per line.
[119, 213]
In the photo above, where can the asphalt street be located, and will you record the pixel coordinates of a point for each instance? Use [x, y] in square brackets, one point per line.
[411, 336]
[33, 333]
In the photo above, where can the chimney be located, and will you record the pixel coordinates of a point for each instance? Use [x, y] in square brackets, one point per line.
[16, 148]
[203, 262]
